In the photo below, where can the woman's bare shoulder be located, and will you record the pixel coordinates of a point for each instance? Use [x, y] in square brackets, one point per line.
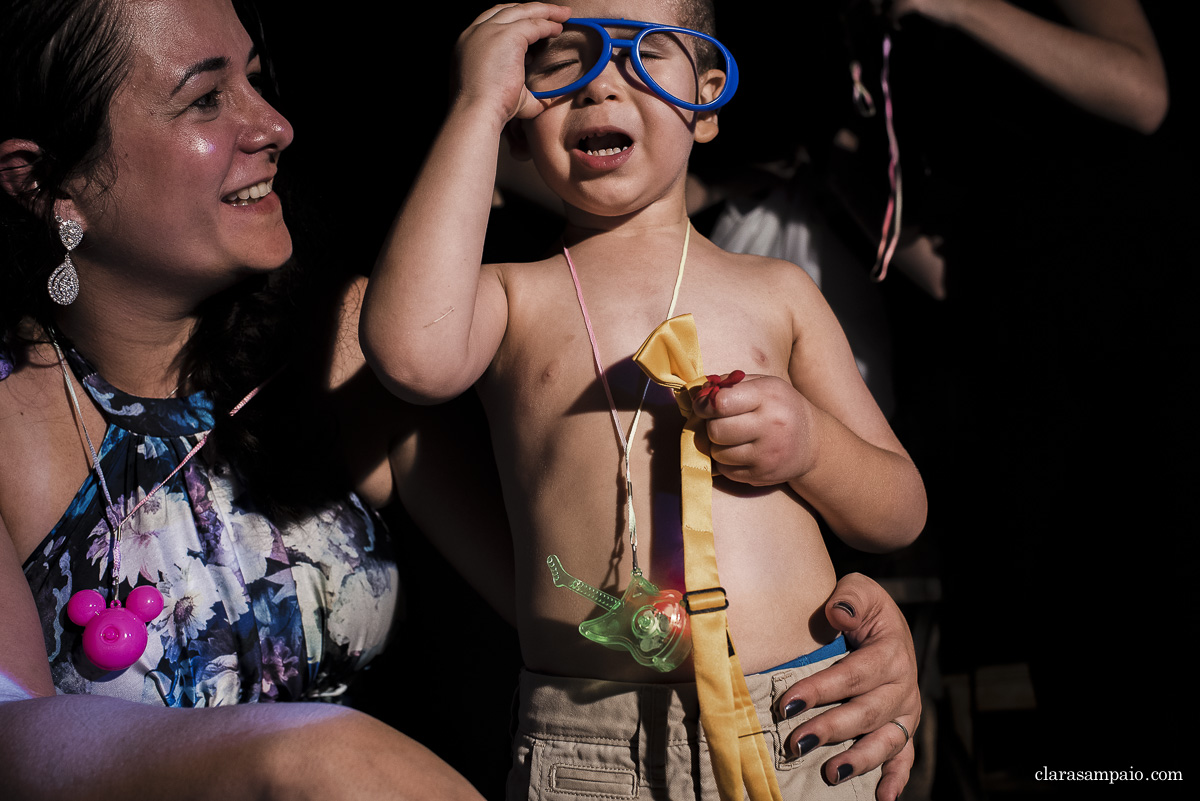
[43, 462]
[32, 395]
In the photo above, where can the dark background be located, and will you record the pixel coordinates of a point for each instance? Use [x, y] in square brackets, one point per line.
[1047, 401]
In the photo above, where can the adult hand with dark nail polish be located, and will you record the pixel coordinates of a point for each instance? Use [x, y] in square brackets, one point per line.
[878, 676]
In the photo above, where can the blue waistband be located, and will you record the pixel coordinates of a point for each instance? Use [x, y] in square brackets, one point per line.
[835, 648]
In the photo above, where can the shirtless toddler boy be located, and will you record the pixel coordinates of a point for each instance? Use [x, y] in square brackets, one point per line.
[799, 437]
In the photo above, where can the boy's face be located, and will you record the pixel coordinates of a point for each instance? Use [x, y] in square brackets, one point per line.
[615, 147]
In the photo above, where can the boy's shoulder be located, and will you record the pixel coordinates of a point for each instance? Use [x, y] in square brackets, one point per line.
[752, 271]
[766, 265]
[528, 286]
[518, 268]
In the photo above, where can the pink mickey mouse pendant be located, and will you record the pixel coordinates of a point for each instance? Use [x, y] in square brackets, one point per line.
[114, 637]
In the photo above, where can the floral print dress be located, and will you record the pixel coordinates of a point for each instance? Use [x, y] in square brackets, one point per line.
[253, 611]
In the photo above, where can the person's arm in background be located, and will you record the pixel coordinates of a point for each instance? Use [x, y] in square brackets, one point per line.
[1106, 63]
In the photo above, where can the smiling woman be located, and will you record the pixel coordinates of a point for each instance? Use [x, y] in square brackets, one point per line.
[196, 123]
[149, 151]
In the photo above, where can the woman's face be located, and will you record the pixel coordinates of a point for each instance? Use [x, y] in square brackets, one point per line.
[195, 149]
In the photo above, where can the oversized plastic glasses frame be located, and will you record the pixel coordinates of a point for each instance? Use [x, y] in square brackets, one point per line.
[644, 29]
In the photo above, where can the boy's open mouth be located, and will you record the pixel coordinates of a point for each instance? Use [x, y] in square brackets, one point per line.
[606, 144]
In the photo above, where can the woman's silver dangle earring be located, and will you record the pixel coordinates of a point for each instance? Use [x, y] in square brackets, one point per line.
[63, 285]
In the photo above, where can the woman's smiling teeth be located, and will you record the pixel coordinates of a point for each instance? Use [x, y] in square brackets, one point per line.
[249, 194]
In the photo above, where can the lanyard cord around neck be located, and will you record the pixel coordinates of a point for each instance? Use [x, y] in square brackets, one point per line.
[626, 441]
[117, 525]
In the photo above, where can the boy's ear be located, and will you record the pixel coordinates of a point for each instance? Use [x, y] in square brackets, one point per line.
[711, 84]
[518, 143]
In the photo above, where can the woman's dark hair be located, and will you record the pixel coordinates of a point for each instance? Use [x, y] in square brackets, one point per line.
[61, 62]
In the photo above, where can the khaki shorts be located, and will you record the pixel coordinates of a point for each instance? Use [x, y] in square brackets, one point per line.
[581, 739]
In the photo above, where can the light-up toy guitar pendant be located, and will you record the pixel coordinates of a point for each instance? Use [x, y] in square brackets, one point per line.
[648, 622]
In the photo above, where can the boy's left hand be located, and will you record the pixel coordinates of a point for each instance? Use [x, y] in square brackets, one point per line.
[760, 430]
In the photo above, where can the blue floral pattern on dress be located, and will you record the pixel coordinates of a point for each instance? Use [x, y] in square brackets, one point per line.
[253, 611]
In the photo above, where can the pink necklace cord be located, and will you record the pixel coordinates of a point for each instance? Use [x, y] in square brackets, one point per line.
[194, 450]
[110, 508]
[625, 442]
[587, 322]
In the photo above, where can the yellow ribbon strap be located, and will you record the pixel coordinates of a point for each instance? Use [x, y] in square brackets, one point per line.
[671, 357]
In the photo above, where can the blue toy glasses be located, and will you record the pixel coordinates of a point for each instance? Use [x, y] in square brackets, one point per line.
[662, 56]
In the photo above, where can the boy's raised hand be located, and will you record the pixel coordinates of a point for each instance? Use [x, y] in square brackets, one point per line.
[760, 430]
[491, 56]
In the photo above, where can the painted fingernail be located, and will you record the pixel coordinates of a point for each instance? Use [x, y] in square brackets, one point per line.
[793, 708]
[843, 772]
[845, 607]
[807, 743]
